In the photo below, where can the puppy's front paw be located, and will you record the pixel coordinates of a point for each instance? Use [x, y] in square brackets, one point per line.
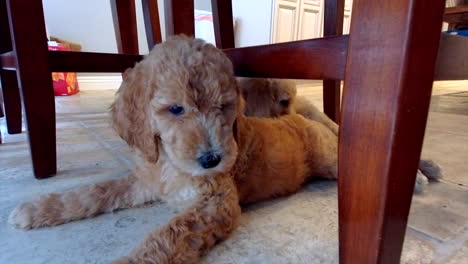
[22, 216]
[421, 182]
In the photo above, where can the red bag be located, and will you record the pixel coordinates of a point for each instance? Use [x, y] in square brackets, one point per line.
[65, 83]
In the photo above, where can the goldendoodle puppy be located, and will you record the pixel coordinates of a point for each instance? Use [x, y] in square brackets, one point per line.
[181, 110]
[276, 97]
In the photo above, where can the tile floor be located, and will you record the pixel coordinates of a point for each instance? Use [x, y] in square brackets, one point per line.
[279, 231]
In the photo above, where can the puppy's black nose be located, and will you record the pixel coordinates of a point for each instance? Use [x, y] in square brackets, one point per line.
[209, 160]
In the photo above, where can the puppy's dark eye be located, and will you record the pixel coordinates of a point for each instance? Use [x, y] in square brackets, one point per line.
[284, 102]
[176, 110]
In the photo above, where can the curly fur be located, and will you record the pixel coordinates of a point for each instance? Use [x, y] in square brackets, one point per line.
[267, 97]
[274, 97]
[261, 158]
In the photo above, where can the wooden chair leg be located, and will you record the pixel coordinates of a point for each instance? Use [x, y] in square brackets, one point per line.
[152, 23]
[179, 17]
[35, 82]
[2, 112]
[125, 25]
[333, 25]
[331, 99]
[12, 101]
[388, 83]
[222, 21]
[5, 42]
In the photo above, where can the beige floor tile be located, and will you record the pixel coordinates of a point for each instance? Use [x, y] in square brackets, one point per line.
[449, 123]
[460, 256]
[89, 151]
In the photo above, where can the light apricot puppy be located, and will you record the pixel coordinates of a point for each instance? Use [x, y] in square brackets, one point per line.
[276, 97]
[181, 110]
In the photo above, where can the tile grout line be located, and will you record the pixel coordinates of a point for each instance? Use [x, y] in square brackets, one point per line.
[124, 160]
[447, 132]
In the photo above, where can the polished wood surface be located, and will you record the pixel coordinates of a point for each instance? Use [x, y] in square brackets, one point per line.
[12, 101]
[331, 99]
[223, 23]
[333, 25]
[457, 17]
[152, 23]
[125, 25]
[5, 43]
[313, 59]
[335, 49]
[35, 82]
[387, 91]
[8, 60]
[179, 17]
[386, 98]
[2, 112]
[65, 61]
[306, 59]
[456, 9]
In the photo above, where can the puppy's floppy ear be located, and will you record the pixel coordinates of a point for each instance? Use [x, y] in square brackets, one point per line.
[130, 111]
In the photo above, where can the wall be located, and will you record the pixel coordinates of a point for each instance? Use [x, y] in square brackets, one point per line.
[89, 22]
[204, 5]
[253, 21]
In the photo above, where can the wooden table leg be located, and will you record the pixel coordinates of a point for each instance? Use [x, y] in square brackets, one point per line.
[125, 26]
[331, 99]
[2, 112]
[11, 98]
[152, 24]
[179, 17]
[388, 81]
[35, 82]
[333, 25]
[12, 101]
[223, 24]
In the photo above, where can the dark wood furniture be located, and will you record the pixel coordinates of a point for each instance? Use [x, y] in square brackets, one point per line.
[333, 25]
[385, 107]
[25, 70]
[388, 83]
[457, 17]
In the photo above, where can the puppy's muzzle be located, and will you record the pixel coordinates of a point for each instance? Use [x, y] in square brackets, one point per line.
[209, 160]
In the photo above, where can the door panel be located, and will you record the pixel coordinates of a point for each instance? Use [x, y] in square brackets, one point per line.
[313, 2]
[310, 22]
[285, 24]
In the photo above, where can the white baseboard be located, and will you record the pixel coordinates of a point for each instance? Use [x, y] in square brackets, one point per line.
[99, 82]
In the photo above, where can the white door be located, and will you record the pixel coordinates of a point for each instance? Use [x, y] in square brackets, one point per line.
[310, 19]
[347, 16]
[285, 21]
[302, 19]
